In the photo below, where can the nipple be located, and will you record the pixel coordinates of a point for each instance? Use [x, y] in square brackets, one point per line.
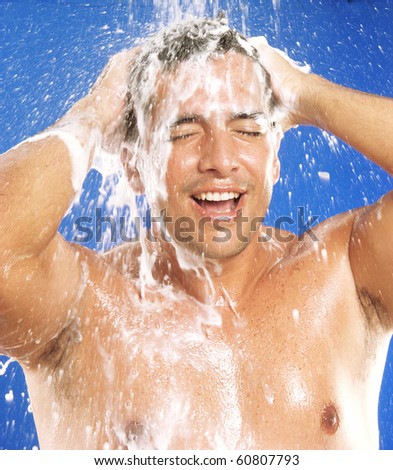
[329, 419]
[134, 431]
[138, 437]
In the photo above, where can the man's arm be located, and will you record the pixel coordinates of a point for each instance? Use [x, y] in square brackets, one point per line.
[364, 121]
[40, 273]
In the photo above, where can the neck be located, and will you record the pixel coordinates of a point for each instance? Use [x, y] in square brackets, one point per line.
[214, 281]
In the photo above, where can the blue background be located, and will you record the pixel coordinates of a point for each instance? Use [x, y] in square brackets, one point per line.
[52, 51]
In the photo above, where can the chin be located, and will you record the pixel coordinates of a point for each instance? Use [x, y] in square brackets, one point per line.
[219, 251]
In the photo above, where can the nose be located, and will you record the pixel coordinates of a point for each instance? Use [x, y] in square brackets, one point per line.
[218, 153]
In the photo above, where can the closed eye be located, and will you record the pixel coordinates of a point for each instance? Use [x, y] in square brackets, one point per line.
[181, 136]
[249, 126]
[250, 133]
[184, 129]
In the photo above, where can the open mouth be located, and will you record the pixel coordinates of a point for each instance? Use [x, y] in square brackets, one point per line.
[224, 203]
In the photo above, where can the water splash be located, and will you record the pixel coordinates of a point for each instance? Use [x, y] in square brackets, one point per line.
[190, 347]
[173, 350]
[269, 393]
[295, 315]
[9, 397]
[168, 11]
[4, 365]
[276, 8]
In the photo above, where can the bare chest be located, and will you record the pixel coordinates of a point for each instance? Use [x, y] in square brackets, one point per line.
[270, 375]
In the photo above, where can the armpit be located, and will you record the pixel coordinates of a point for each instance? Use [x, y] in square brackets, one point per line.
[375, 312]
[57, 349]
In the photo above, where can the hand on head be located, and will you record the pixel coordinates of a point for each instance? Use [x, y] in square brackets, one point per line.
[104, 107]
[110, 90]
[287, 80]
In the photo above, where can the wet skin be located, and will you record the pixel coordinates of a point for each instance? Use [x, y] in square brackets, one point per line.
[267, 378]
[295, 356]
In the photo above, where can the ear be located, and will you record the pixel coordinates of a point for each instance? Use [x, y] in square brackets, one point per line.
[129, 165]
[278, 135]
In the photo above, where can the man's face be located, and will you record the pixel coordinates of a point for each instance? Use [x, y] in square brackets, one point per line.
[222, 153]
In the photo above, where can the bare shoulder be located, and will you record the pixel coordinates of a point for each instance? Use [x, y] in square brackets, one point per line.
[102, 288]
[328, 241]
[333, 233]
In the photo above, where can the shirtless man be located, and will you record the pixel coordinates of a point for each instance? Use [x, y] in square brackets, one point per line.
[252, 341]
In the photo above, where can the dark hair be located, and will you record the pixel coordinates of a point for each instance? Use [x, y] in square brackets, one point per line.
[179, 43]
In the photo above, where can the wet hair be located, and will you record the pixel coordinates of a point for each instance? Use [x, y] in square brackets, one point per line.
[176, 44]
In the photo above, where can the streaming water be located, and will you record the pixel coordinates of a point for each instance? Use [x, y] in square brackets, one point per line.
[177, 351]
[188, 342]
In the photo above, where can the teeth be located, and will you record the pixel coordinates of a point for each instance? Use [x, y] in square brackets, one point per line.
[216, 196]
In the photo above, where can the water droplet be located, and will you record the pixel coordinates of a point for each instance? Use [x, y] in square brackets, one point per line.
[269, 394]
[295, 315]
[324, 176]
[89, 432]
[4, 365]
[9, 397]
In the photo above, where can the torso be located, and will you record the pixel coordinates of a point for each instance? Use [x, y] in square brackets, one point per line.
[296, 366]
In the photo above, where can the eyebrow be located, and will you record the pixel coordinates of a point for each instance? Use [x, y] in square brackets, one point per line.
[196, 118]
[243, 115]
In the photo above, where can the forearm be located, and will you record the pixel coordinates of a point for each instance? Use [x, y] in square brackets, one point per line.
[362, 120]
[38, 181]
[40, 177]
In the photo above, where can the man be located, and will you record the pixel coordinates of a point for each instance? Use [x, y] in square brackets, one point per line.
[214, 331]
